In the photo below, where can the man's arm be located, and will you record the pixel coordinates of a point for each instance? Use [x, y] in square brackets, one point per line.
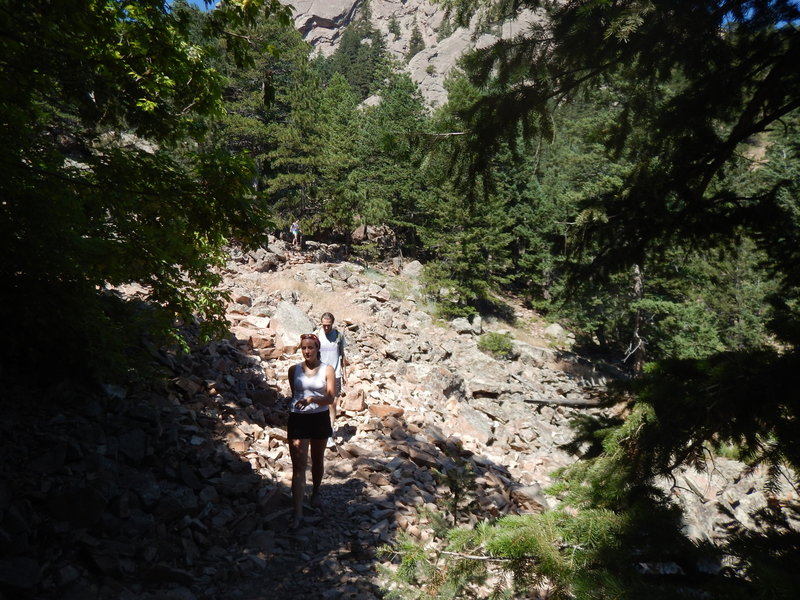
[342, 358]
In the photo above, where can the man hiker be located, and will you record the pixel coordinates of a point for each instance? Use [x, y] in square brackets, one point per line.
[332, 346]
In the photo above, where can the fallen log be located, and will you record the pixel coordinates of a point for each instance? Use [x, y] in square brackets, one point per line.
[584, 402]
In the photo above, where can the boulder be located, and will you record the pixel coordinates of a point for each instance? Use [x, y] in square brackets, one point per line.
[412, 270]
[290, 322]
[385, 410]
[461, 325]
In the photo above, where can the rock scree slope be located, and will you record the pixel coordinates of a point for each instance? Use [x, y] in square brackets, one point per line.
[178, 488]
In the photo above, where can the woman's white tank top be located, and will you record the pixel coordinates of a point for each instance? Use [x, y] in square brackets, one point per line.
[308, 385]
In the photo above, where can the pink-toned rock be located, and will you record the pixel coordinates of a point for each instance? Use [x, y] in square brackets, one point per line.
[379, 295]
[189, 385]
[353, 401]
[384, 410]
[262, 342]
[239, 297]
[275, 352]
[254, 338]
[423, 459]
[469, 422]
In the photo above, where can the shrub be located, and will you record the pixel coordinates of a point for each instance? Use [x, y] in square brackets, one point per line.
[498, 345]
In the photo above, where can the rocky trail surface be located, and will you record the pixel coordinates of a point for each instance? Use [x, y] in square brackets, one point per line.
[178, 488]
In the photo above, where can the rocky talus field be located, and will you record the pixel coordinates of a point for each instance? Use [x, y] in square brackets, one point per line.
[178, 489]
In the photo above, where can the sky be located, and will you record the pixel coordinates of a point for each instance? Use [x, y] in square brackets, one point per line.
[199, 4]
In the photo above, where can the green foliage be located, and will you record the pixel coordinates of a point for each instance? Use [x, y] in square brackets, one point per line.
[368, 252]
[702, 302]
[416, 43]
[548, 186]
[556, 194]
[304, 137]
[471, 255]
[343, 133]
[498, 345]
[296, 159]
[585, 555]
[401, 289]
[679, 236]
[387, 186]
[255, 94]
[466, 229]
[446, 29]
[106, 180]
[332, 163]
[730, 451]
[312, 152]
[414, 566]
[360, 57]
[459, 477]
[685, 330]
[394, 27]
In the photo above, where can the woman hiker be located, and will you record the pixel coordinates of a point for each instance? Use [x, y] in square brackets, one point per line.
[313, 386]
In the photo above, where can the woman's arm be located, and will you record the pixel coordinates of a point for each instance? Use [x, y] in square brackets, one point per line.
[291, 379]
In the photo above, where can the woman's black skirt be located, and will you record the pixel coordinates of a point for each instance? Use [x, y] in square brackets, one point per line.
[309, 426]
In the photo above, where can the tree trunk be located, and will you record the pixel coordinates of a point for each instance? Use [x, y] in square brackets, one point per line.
[638, 345]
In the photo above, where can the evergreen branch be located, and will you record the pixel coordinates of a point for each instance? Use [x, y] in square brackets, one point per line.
[789, 480]
[748, 124]
[481, 557]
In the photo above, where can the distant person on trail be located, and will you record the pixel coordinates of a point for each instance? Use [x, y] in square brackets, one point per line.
[313, 388]
[295, 231]
[332, 353]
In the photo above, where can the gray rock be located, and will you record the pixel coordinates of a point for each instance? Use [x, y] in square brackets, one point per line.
[412, 270]
[461, 325]
[477, 325]
[321, 23]
[290, 322]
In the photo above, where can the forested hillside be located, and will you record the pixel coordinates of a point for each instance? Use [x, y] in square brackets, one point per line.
[628, 168]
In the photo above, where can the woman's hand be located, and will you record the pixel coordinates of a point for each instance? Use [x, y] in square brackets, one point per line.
[303, 403]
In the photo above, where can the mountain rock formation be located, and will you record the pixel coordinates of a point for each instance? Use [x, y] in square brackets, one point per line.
[321, 23]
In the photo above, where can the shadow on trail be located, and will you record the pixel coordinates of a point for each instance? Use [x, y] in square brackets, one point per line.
[372, 489]
[177, 488]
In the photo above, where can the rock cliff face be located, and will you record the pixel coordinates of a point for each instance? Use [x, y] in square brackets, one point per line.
[322, 21]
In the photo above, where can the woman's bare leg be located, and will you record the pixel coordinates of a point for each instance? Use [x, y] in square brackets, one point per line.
[298, 451]
[317, 468]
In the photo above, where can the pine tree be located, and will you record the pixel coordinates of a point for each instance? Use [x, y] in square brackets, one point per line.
[416, 43]
[361, 57]
[469, 238]
[251, 96]
[698, 82]
[465, 230]
[343, 131]
[394, 27]
[388, 183]
[296, 160]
